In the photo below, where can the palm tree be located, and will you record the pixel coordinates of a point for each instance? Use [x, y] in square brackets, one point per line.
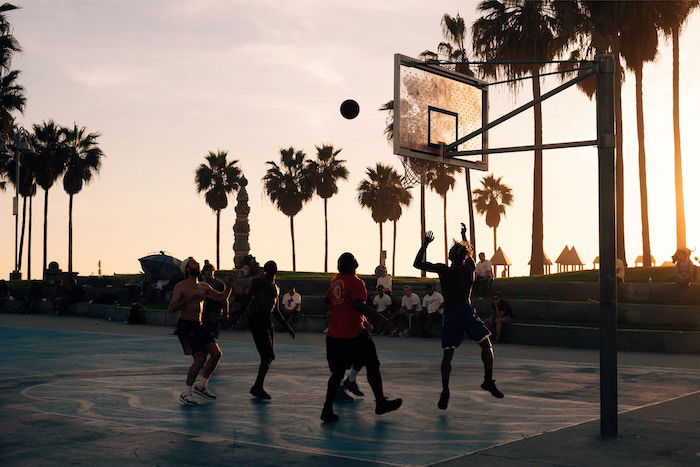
[289, 185]
[518, 31]
[11, 99]
[83, 162]
[639, 44]
[50, 163]
[442, 183]
[218, 177]
[491, 200]
[8, 43]
[326, 171]
[672, 17]
[382, 192]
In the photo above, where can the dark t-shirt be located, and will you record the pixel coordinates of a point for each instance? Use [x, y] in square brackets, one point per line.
[456, 281]
[505, 307]
[262, 296]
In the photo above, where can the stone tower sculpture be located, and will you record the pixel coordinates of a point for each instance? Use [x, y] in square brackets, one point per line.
[241, 229]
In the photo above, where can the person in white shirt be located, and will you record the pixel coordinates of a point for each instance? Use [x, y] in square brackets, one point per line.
[291, 305]
[384, 279]
[382, 303]
[483, 275]
[433, 302]
[410, 305]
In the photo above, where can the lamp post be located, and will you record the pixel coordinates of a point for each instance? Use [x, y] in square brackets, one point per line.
[20, 146]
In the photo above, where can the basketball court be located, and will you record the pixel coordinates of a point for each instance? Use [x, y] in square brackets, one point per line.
[96, 398]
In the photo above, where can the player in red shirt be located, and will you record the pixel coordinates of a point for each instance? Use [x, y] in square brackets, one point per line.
[347, 341]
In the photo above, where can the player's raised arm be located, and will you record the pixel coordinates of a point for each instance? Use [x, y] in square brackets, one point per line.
[419, 262]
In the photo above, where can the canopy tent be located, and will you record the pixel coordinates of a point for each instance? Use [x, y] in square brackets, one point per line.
[500, 259]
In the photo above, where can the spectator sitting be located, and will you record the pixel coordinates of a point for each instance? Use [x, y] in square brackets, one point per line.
[433, 302]
[685, 269]
[502, 314]
[382, 303]
[60, 301]
[384, 279]
[483, 275]
[4, 292]
[410, 308]
[291, 306]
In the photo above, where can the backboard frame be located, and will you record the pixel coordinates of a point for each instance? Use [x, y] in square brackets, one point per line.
[440, 156]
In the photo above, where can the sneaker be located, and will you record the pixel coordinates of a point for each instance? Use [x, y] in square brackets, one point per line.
[490, 386]
[327, 415]
[352, 387]
[187, 399]
[385, 405]
[260, 393]
[204, 392]
[342, 396]
[444, 400]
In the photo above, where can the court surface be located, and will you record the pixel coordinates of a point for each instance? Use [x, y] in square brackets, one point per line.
[95, 398]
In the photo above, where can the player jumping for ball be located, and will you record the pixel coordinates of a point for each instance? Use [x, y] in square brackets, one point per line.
[459, 316]
[348, 341]
[196, 340]
[264, 294]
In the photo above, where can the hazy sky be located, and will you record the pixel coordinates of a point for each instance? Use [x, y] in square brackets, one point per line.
[165, 82]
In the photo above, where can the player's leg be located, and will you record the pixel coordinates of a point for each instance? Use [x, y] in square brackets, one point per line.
[212, 362]
[445, 371]
[198, 358]
[265, 342]
[339, 357]
[367, 352]
[487, 357]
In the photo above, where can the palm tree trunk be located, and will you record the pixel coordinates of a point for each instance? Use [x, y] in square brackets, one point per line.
[46, 212]
[294, 251]
[444, 222]
[494, 241]
[393, 253]
[677, 160]
[218, 237]
[70, 233]
[472, 233]
[619, 161]
[422, 213]
[381, 240]
[646, 248]
[325, 226]
[21, 235]
[29, 242]
[537, 252]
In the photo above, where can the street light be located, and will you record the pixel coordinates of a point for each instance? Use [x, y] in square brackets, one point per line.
[21, 145]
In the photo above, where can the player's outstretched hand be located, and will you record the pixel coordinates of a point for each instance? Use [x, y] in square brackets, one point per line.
[429, 237]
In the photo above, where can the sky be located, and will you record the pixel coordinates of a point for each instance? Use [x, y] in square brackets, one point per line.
[166, 82]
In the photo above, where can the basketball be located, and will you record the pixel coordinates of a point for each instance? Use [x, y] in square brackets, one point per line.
[349, 109]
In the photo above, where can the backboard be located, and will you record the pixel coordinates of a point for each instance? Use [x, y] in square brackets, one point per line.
[434, 105]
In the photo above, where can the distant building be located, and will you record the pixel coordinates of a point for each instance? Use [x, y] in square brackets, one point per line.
[569, 260]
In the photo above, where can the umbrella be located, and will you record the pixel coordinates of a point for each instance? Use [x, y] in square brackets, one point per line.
[160, 267]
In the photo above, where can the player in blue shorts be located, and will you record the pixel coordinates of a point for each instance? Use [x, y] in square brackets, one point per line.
[459, 317]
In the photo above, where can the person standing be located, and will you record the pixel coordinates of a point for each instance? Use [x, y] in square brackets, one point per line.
[196, 340]
[384, 279]
[264, 294]
[291, 306]
[459, 317]
[432, 303]
[348, 342]
[214, 311]
[484, 275]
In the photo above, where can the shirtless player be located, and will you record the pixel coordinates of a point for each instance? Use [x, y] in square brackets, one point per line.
[459, 316]
[263, 295]
[196, 340]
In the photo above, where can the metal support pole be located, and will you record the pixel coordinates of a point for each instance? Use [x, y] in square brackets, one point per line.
[17, 162]
[605, 117]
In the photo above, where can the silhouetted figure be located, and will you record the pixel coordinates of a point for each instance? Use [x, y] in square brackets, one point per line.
[459, 317]
[264, 294]
[501, 315]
